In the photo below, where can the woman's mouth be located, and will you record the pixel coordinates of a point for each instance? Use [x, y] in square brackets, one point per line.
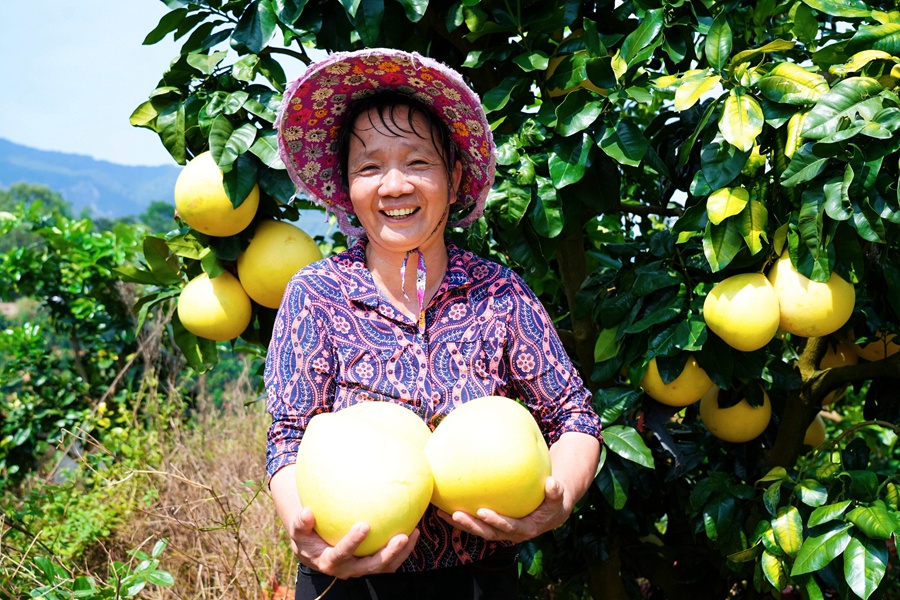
[400, 213]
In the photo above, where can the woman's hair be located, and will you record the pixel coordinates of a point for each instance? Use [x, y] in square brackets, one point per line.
[385, 105]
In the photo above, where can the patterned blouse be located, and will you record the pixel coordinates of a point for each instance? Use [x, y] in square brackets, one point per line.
[337, 341]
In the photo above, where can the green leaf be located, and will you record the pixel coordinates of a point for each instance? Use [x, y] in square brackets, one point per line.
[789, 83]
[164, 265]
[625, 143]
[691, 90]
[811, 492]
[367, 21]
[170, 125]
[718, 516]
[201, 354]
[875, 521]
[726, 202]
[644, 38]
[841, 8]
[204, 63]
[718, 41]
[880, 38]
[133, 274]
[828, 513]
[628, 443]
[773, 569]
[742, 119]
[754, 53]
[721, 243]
[788, 529]
[508, 202]
[159, 577]
[753, 225]
[546, 213]
[414, 9]
[497, 98]
[865, 563]
[246, 68]
[804, 166]
[612, 485]
[265, 148]
[227, 143]
[606, 346]
[578, 111]
[167, 24]
[569, 157]
[255, 28]
[847, 99]
[819, 550]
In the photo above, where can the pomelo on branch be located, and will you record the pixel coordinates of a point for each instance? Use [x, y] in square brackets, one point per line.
[810, 308]
[202, 203]
[488, 453]
[815, 433]
[741, 422]
[276, 252]
[743, 310]
[364, 464]
[687, 388]
[215, 308]
[881, 347]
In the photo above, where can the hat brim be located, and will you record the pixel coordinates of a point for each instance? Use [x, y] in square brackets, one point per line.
[315, 106]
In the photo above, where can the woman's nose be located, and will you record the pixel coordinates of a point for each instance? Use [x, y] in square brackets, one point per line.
[395, 183]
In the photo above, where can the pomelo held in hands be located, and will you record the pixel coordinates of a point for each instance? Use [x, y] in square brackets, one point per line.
[365, 463]
[488, 453]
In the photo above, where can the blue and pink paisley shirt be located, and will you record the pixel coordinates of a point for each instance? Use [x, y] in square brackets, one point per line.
[337, 341]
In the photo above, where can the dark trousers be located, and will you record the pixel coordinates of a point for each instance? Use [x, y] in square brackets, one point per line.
[494, 578]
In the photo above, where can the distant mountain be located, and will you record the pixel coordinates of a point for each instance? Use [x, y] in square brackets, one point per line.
[105, 188]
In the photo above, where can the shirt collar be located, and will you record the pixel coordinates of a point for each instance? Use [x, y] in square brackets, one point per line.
[362, 287]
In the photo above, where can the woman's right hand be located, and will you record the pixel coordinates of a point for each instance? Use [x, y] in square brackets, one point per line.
[338, 560]
[316, 553]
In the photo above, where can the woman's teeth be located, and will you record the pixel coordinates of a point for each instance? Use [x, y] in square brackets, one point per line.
[400, 212]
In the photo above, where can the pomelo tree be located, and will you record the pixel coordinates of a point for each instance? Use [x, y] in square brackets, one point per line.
[647, 151]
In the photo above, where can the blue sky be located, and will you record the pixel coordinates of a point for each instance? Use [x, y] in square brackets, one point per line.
[73, 72]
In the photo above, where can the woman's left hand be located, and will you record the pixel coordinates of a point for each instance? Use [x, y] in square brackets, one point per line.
[551, 513]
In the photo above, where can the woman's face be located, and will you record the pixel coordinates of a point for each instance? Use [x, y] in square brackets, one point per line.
[399, 185]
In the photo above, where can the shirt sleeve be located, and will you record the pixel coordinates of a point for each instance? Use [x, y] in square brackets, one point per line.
[297, 376]
[541, 371]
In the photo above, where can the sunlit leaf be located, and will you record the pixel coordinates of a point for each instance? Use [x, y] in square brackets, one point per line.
[742, 120]
[875, 521]
[828, 512]
[847, 99]
[811, 492]
[790, 83]
[773, 569]
[819, 550]
[628, 443]
[721, 243]
[841, 8]
[644, 37]
[624, 143]
[692, 89]
[858, 61]
[753, 54]
[884, 37]
[865, 563]
[753, 225]
[569, 159]
[726, 202]
[718, 41]
[788, 528]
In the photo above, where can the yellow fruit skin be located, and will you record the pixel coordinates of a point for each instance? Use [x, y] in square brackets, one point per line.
[216, 309]
[815, 433]
[739, 423]
[878, 349]
[488, 453]
[810, 308]
[685, 389]
[202, 202]
[351, 468]
[743, 311]
[276, 252]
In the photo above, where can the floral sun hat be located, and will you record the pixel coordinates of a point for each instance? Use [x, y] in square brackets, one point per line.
[314, 109]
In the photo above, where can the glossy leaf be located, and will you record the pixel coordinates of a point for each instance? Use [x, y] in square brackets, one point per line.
[718, 41]
[415, 9]
[265, 148]
[811, 492]
[828, 512]
[628, 443]
[644, 37]
[577, 112]
[865, 563]
[170, 125]
[754, 53]
[742, 119]
[612, 486]
[256, 27]
[790, 83]
[860, 60]
[606, 346]
[367, 20]
[569, 157]
[884, 38]
[692, 89]
[726, 202]
[718, 516]
[546, 213]
[788, 529]
[227, 143]
[804, 166]
[721, 243]
[840, 8]
[624, 143]
[819, 550]
[753, 224]
[773, 569]
[875, 521]
[847, 99]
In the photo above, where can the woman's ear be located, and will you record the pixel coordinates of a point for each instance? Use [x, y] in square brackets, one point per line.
[455, 179]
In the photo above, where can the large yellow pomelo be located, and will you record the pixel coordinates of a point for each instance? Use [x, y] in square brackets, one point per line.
[881, 347]
[276, 252]
[738, 423]
[815, 433]
[488, 453]
[216, 309]
[838, 356]
[685, 389]
[743, 310]
[202, 203]
[360, 465]
[810, 308]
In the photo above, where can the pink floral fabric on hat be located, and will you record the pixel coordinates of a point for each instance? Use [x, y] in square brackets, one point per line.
[314, 109]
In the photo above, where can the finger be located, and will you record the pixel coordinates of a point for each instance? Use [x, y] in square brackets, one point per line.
[498, 521]
[344, 549]
[306, 522]
[553, 489]
[472, 525]
[403, 551]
